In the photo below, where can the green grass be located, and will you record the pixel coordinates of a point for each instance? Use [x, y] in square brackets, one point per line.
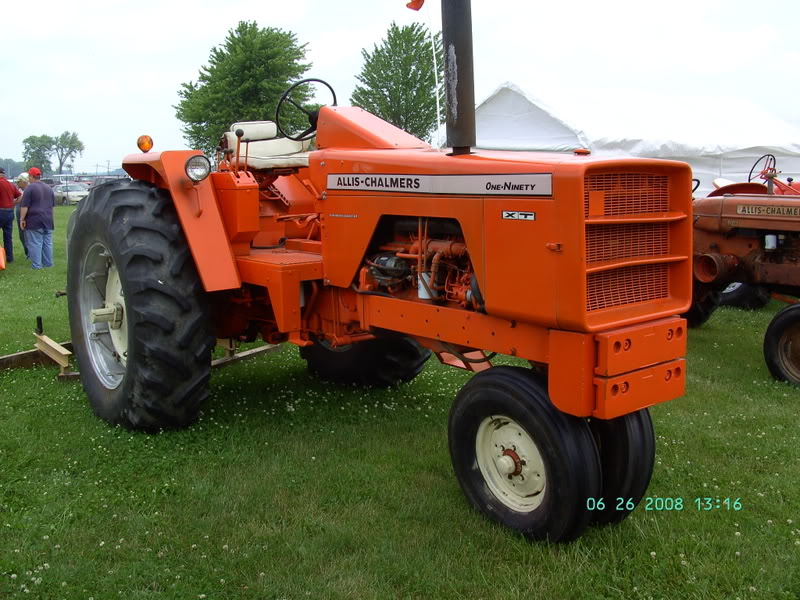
[26, 294]
[288, 488]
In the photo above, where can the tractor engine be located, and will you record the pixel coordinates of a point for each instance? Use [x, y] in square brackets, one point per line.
[425, 259]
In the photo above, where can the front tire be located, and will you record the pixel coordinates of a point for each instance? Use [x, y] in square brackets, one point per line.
[146, 365]
[627, 447]
[782, 345]
[519, 460]
[380, 363]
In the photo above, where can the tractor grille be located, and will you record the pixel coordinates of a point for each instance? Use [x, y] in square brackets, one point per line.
[628, 240]
[628, 193]
[635, 202]
[627, 285]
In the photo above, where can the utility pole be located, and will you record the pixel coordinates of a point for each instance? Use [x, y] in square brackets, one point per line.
[108, 167]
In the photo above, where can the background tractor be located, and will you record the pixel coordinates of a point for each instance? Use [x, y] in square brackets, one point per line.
[373, 252]
[749, 233]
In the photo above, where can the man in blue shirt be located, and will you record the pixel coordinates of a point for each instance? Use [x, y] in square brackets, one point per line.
[36, 218]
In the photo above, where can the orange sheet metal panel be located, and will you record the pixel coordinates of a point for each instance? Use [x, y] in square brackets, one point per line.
[570, 374]
[198, 213]
[281, 272]
[238, 202]
[520, 258]
[455, 326]
[630, 348]
[639, 389]
[353, 127]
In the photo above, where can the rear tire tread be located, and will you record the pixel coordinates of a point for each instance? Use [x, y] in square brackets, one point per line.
[166, 379]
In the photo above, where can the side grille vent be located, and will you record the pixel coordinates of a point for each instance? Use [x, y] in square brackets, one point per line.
[628, 228]
[628, 240]
[628, 193]
[627, 285]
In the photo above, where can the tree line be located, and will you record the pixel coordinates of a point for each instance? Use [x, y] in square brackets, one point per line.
[246, 75]
[40, 150]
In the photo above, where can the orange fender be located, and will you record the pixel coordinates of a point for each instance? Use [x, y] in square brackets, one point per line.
[2, 258]
[198, 212]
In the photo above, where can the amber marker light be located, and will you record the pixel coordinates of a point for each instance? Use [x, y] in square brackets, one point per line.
[145, 143]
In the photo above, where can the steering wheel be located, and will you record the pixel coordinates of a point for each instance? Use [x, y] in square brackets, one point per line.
[769, 165]
[312, 115]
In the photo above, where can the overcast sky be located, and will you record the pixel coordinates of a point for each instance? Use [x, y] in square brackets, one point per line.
[110, 71]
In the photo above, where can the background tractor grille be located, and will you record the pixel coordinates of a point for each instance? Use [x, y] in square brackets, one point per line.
[627, 285]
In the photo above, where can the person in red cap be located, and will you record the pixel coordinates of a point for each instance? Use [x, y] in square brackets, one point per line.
[36, 218]
[8, 195]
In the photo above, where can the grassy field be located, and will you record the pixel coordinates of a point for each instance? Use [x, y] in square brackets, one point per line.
[287, 488]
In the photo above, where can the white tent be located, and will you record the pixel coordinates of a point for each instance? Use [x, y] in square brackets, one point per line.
[719, 136]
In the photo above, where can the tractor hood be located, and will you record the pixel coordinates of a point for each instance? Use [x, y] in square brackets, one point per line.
[352, 127]
[751, 211]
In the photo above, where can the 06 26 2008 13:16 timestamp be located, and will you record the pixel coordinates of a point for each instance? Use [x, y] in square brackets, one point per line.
[658, 503]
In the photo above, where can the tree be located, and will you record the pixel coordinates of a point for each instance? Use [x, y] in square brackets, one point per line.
[65, 147]
[397, 80]
[243, 81]
[12, 167]
[36, 152]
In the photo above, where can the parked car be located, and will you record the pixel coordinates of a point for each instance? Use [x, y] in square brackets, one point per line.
[71, 193]
[101, 180]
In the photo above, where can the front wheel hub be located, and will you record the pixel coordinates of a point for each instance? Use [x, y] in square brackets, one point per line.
[510, 463]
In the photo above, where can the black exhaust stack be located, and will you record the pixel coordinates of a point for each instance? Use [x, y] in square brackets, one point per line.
[459, 78]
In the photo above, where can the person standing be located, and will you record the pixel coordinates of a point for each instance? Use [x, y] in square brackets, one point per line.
[23, 179]
[36, 218]
[8, 195]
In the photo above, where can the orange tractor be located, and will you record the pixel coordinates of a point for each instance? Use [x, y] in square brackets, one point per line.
[749, 233]
[373, 252]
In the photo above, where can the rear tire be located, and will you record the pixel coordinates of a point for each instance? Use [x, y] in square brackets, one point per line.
[627, 447]
[149, 370]
[381, 362]
[782, 345]
[745, 295]
[519, 460]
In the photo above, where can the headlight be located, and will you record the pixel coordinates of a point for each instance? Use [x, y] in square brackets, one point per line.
[198, 168]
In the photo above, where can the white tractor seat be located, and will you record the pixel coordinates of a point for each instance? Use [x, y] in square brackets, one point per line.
[722, 182]
[265, 151]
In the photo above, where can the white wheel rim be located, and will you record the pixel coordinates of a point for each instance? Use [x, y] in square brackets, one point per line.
[732, 287]
[510, 463]
[115, 297]
[100, 287]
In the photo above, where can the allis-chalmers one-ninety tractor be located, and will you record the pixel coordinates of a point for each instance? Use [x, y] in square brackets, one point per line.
[375, 250]
[750, 233]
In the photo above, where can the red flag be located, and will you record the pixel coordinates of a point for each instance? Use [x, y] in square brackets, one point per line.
[415, 4]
